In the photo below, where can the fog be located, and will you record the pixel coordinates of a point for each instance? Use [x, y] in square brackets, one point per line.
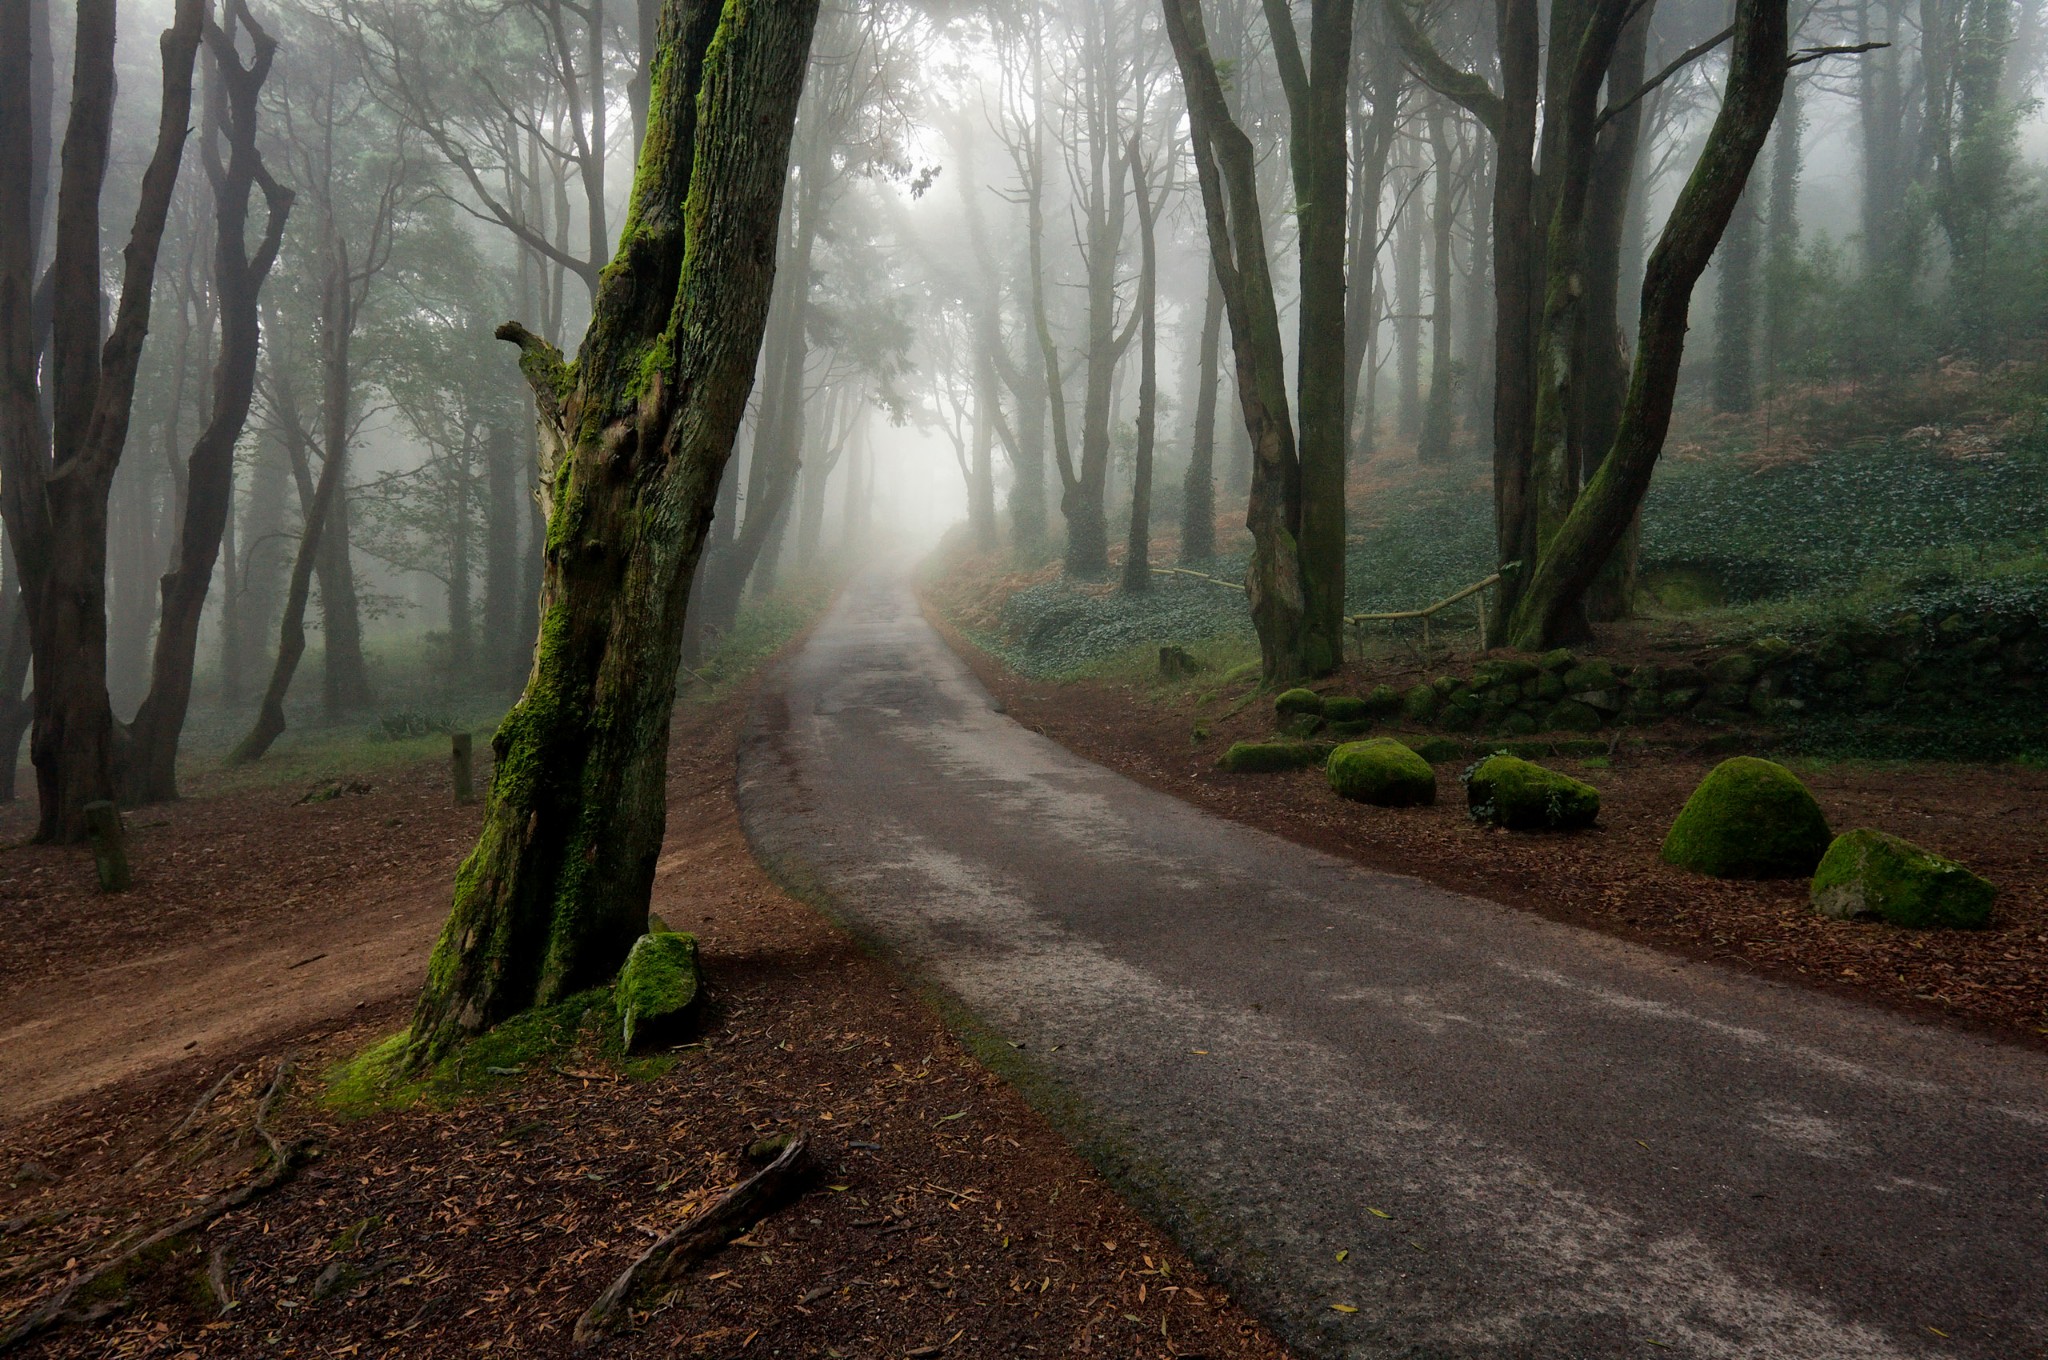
[956, 346]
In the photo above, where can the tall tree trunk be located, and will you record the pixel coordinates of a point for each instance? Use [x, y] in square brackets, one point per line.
[151, 773]
[1603, 512]
[1295, 580]
[54, 479]
[1602, 359]
[1138, 541]
[461, 595]
[1408, 309]
[1198, 488]
[504, 640]
[291, 631]
[1734, 378]
[1433, 445]
[636, 438]
[1781, 234]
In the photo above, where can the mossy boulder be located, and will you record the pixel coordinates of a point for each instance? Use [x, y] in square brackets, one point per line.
[1573, 716]
[1507, 791]
[1382, 772]
[1343, 708]
[1749, 818]
[1419, 703]
[1268, 757]
[1383, 699]
[1439, 750]
[1502, 670]
[657, 988]
[1293, 702]
[1588, 676]
[1872, 874]
[1559, 661]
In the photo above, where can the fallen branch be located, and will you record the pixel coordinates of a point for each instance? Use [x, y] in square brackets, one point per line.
[58, 1308]
[701, 1234]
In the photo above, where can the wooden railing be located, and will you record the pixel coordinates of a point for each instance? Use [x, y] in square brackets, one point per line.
[1357, 622]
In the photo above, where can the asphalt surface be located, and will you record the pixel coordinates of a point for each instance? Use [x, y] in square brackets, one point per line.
[1489, 1134]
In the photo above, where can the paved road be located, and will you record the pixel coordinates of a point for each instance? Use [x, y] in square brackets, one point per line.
[1530, 1140]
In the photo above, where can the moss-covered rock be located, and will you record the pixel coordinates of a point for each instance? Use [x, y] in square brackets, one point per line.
[1343, 708]
[1440, 750]
[1736, 668]
[1502, 670]
[1597, 674]
[1507, 791]
[1559, 661]
[1749, 818]
[1872, 874]
[657, 988]
[1296, 701]
[1382, 772]
[1573, 716]
[1419, 703]
[1268, 757]
[1383, 699]
[1518, 723]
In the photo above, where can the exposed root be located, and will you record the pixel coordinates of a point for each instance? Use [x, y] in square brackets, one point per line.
[701, 1234]
[64, 1306]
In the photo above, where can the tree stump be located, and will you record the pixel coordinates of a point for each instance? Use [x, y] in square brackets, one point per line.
[465, 782]
[109, 846]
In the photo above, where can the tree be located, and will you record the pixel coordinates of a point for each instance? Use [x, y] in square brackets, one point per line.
[1295, 512]
[151, 773]
[1603, 512]
[1138, 544]
[634, 440]
[54, 478]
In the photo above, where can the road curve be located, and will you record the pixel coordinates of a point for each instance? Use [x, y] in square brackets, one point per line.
[1489, 1134]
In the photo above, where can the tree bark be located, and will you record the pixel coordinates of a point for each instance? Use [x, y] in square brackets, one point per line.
[1602, 513]
[1295, 580]
[1138, 541]
[150, 774]
[54, 480]
[634, 441]
[1433, 444]
[1198, 488]
[1734, 376]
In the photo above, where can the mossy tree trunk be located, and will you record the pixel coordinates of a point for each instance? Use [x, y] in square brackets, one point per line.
[1138, 541]
[1602, 514]
[635, 436]
[1198, 488]
[1295, 510]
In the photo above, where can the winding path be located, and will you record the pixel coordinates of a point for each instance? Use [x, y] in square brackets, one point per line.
[1483, 1134]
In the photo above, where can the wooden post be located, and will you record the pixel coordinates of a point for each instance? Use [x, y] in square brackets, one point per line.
[109, 846]
[465, 786]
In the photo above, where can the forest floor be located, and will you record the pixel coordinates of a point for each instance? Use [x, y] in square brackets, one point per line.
[1610, 878]
[139, 1035]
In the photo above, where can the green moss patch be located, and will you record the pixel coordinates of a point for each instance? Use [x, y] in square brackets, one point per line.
[1344, 708]
[376, 1080]
[1293, 702]
[1267, 757]
[1868, 874]
[1749, 818]
[1382, 772]
[657, 989]
[1520, 795]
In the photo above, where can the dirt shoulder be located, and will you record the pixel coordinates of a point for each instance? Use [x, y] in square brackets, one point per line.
[1611, 878]
[950, 1221]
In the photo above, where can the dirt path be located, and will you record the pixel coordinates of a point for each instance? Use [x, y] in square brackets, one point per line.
[252, 914]
[1401, 1119]
[951, 1219]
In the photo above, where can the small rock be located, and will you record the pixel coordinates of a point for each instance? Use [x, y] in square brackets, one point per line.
[1871, 874]
[658, 987]
[1519, 795]
[1383, 772]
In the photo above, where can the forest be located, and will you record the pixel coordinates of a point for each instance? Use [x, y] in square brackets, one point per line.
[976, 513]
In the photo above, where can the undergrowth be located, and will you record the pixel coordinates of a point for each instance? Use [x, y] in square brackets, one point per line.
[583, 1028]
